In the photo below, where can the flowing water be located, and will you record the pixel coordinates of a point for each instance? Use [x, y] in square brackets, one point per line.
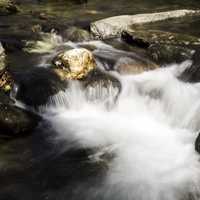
[96, 144]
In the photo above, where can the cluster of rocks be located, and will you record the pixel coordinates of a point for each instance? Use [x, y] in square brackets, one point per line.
[163, 47]
[79, 64]
[14, 121]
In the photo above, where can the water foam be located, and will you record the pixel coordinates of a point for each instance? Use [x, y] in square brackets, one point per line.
[151, 129]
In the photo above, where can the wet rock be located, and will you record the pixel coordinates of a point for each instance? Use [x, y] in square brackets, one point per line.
[113, 26]
[46, 43]
[6, 80]
[197, 143]
[192, 74]
[75, 34]
[15, 121]
[74, 64]
[79, 64]
[5, 98]
[36, 86]
[2, 58]
[165, 54]
[101, 86]
[127, 65]
[8, 7]
[145, 38]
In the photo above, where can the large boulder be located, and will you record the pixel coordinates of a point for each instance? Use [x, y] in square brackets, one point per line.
[113, 26]
[8, 7]
[79, 64]
[15, 122]
[74, 64]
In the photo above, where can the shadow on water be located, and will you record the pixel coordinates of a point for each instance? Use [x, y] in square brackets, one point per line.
[37, 168]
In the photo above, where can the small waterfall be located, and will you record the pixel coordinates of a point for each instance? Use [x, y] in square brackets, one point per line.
[145, 134]
[150, 129]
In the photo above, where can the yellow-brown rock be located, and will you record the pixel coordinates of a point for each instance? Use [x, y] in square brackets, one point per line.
[74, 64]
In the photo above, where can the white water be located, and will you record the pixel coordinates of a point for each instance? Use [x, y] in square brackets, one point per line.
[151, 129]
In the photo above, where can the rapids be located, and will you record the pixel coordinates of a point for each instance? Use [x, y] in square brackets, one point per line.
[149, 133]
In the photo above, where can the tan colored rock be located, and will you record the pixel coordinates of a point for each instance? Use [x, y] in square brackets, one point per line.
[113, 26]
[2, 58]
[129, 66]
[74, 64]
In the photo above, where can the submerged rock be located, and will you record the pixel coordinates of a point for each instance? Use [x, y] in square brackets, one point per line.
[74, 64]
[75, 34]
[100, 85]
[15, 121]
[113, 26]
[8, 7]
[127, 65]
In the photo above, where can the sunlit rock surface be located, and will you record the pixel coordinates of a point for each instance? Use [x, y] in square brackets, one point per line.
[2, 58]
[74, 64]
[113, 26]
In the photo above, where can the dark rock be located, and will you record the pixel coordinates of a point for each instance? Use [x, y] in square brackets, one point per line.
[192, 74]
[131, 39]
[36, 86]
[12, 44]
[8, 7]
[75, 34]
[165, 54]
[104, 85]
[197, 143]
[5, 98]
[145, 38]
[15, 121]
